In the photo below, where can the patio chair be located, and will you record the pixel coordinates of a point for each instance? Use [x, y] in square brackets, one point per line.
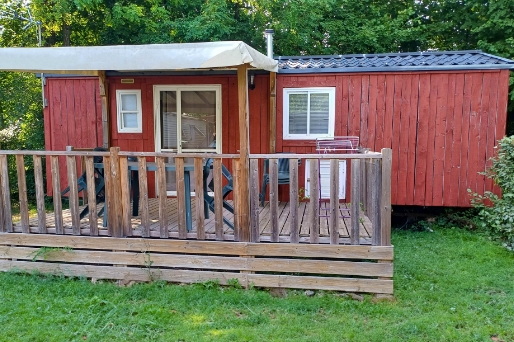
[209, 187]
[283, 175]
[99, 184]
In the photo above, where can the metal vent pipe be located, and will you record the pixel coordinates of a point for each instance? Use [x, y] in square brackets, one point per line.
[269, 41]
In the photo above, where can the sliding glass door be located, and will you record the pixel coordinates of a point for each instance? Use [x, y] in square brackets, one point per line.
[187, 119]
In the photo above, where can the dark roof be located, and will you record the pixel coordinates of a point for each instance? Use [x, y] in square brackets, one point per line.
[410, 61]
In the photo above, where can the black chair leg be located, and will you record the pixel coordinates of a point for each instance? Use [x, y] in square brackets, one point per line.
[262, 195]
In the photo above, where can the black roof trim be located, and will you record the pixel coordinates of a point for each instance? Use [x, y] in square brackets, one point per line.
[405, 61]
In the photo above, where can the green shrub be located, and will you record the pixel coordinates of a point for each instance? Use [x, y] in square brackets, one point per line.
[498, 215]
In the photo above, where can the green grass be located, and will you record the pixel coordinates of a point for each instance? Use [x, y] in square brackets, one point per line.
[450, 285]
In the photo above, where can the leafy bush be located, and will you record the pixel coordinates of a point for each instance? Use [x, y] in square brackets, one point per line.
[498, 218]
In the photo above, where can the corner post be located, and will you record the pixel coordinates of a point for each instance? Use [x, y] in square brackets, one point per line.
[385, 200]
[272, 112]
[243, 190]
[104, 95]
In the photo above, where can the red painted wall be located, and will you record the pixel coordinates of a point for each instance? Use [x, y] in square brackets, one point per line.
[442, 127]
[145, 141]
[73, 117]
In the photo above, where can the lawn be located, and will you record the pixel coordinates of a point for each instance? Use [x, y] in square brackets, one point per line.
[450, 285]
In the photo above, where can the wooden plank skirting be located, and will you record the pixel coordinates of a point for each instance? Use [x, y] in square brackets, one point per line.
[301, 266]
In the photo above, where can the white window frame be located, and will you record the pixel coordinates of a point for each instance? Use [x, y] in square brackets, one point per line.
[186, 87]
[331, 114]
[120, 112]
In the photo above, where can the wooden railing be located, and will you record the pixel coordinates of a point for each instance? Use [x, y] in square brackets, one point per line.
[370, 188]
[370, 184]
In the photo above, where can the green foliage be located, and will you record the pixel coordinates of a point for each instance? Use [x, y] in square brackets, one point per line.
[499, 217]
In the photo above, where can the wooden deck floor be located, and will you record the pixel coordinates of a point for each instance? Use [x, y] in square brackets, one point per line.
[305, 222]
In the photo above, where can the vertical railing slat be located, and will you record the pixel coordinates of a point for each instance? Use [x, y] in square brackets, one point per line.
[73, 197]
[199, 199]
[161, 192]
[236, 176]
[91, 194]
[125, 197]
[334, 201]
[385, 201]
[363, 186]
[294, 233]
[56, 188]
[108, 205]
[254, 200]
[314, 200]
[6, 195]
[375, 180]
[2, 213]
[218, 198]
[355, 203]
[143, 196]
[22, 192]
[273, 199]
[181, 198]
[40, 194]
[116, 190]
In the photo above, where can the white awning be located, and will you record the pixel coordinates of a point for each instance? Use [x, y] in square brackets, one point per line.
[154, 57]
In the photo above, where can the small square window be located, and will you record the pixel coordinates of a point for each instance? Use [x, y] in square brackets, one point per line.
[129, 111]
[309, 113]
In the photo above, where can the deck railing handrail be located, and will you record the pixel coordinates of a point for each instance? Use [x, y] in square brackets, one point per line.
[370, 185]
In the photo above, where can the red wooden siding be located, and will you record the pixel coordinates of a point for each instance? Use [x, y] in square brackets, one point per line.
[145, 141]
[73, 117]
[442, 127]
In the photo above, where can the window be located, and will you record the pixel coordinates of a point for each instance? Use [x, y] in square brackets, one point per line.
[309, 113]
[129, 111]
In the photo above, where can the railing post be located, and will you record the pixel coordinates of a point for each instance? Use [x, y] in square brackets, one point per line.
[40, 194]
[273, 199]
[56, 188]
[71, 165]
[355, 203]
[385, 202]
[314, 200]
[6, 193]
[22, 192]
[334, 201]
[293, 200]
[199, 199]
[254, 200]
[375, 186]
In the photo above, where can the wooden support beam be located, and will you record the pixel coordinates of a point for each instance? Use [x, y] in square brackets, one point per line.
[235, 178]
[243, 187]
[273, 199]
[385, 201]
[104, 96]
[272, 112]
[125, 197]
